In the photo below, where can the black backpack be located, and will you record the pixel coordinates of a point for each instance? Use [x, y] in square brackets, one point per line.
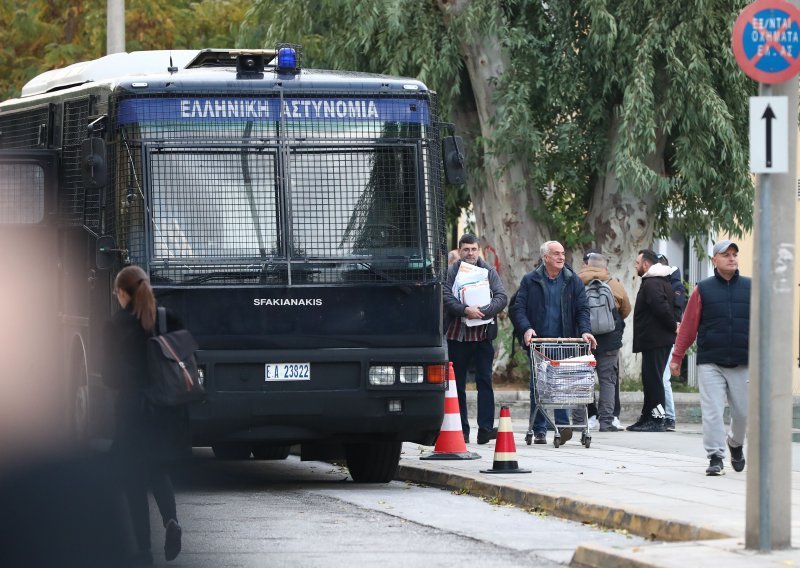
[172, 366]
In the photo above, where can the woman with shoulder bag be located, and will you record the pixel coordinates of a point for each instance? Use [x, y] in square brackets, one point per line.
[146, 438]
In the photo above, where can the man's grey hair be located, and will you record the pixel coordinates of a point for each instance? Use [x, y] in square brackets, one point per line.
[597, 260]
[545, 248]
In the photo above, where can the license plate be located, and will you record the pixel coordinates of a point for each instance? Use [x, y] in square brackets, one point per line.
[287, 372]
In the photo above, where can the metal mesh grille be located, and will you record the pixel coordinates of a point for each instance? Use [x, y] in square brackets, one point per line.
[24, 130]
[71, 195]
[21, 193]
[300, 190]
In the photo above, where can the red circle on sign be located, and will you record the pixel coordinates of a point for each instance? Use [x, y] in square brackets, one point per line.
[749, 65]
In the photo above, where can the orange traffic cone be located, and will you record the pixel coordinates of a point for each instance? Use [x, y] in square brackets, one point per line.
[505, 452]
[450, 443]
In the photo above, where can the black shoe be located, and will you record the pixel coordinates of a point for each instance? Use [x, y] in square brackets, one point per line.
[648, 425]
[669, 424]
[466, 438]
[737, 457]
[638, 424]
[485, 435]
[609, 428]
[566, 435]
[715, 467]
[540, 438]
[142, 558]
[172, 541]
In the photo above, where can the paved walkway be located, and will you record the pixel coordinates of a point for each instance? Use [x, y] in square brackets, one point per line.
[651, 484]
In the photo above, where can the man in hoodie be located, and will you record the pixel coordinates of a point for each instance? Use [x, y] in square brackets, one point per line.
[595, 267]
[551, 302]
[467, 344]
[654, 329]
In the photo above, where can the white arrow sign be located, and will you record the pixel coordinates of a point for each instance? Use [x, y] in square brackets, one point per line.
[769, 135]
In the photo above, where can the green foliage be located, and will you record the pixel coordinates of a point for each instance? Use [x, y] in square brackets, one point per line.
[664, 71]
[39, 35]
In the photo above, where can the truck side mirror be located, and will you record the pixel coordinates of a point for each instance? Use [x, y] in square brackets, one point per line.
[93, 162]
[105, 254]
[455, 167]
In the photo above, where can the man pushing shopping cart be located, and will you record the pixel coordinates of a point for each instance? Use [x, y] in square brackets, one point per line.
[551, 303]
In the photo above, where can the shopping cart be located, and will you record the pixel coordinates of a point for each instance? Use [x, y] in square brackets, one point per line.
[562, 375]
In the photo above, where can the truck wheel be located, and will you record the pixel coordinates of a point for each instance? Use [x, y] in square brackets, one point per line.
[79, 401]
[373, 462]
[267, 452]
[231, 451]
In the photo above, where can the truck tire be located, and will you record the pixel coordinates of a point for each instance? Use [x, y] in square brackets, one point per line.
[373, 462]
[231, 451]
[78, 399]
[267, 452]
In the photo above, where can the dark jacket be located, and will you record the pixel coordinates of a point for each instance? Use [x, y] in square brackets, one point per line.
[528, 311]
[724, 330]
[654, 314]
[141, 430]
[453, 307]
[678, 291]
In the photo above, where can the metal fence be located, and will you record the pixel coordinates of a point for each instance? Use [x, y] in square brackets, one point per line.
[330, 188]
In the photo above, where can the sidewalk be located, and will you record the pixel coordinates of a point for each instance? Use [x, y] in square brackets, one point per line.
[687, 405]
[650, 484]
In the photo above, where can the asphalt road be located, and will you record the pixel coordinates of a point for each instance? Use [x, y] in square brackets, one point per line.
[292, 513]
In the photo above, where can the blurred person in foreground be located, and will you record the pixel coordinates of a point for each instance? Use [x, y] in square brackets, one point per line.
[146, 438]
[718, 316]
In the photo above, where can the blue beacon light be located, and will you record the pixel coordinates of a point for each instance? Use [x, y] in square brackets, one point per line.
[287, 59]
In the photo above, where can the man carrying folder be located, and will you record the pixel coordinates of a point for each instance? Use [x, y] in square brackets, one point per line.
[473, 296]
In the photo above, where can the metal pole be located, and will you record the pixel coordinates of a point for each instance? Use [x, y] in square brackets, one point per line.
[768, 513]
[115, 26]
[764, 245]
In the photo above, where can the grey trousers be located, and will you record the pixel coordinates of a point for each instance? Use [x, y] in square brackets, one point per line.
[716, 384]
[607, 376]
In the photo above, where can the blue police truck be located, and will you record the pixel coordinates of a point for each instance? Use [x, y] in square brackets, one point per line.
[292, 218]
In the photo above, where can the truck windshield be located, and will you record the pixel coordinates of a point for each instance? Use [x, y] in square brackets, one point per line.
[330, 201]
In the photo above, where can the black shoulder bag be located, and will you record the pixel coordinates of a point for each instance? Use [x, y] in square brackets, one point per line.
[172, 366]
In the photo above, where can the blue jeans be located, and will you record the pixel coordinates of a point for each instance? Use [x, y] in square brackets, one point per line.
[669, 402]
[482, 352]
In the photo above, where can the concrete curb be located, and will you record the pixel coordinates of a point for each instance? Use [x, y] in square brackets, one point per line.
[505, 489]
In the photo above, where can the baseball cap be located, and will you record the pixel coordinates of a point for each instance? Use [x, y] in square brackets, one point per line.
[589, 253]
[722, 246]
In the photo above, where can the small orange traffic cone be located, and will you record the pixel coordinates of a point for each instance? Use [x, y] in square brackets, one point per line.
[450, 443]
[505, 452]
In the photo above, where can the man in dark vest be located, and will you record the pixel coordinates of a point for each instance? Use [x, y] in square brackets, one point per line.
[473, 343]
[718, 316]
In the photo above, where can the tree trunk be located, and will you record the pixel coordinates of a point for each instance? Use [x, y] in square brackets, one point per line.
[509, 237]
[623, 223]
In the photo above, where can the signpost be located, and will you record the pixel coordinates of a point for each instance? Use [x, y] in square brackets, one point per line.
[766, 41]
[769, 135]
[766, 44]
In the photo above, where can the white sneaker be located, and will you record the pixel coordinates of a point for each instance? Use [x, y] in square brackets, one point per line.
[593, 424]
[616, 423]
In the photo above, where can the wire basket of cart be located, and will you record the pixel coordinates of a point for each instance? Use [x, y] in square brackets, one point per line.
[562, 376]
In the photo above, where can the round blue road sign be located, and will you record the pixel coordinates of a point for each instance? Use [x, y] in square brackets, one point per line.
[766, 41]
